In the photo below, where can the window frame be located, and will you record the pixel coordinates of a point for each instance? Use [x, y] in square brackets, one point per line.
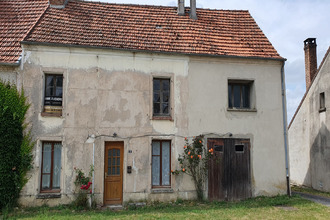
[50, 190]
[231, 100]
[322, 107]
[161, 115]
[57, 108]
[160, 169]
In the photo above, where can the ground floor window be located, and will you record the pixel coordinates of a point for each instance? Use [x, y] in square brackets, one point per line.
[51, 166]
[161, 163]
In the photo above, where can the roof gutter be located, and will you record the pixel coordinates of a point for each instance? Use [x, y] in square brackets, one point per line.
[147, 51]
[285, 131]
[11, 64]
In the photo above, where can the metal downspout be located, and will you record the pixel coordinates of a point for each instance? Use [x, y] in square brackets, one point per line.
[285, 130]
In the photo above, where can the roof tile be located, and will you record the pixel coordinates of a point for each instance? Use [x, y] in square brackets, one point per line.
[153, 28]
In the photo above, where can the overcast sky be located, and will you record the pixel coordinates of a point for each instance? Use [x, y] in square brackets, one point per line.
[286, 23]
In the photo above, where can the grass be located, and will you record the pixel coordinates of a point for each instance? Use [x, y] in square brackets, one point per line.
[280, 207]
[310, 191]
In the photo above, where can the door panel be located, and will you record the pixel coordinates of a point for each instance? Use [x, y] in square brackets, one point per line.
[229, 177]
[113, 173]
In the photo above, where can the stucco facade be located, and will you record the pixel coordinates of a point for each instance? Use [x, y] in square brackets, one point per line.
[110, 91]
[309, 135]
[8, 73]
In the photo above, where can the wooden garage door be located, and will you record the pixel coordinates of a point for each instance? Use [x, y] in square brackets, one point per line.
[229, 173]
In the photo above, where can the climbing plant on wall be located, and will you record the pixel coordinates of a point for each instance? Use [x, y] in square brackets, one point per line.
[194, 162]
[15, 144]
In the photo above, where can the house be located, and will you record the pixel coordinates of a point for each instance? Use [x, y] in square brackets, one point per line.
[17, 18]
[120, 86]
[309, 136]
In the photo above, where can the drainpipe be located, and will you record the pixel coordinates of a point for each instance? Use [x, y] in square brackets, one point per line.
[285, 130]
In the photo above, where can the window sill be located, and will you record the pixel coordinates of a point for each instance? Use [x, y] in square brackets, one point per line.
[162, 190]
[168, 118]
[241, 109]
[322, 110]
[46, 114]
[49, 195]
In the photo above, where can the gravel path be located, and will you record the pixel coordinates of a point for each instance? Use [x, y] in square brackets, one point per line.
[318, 199]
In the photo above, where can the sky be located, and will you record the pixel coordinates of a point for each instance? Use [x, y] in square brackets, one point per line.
[286, 23]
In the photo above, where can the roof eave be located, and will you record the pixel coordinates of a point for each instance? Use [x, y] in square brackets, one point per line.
[149, 51]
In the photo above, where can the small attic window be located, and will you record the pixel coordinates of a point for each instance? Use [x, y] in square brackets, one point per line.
[322, 102]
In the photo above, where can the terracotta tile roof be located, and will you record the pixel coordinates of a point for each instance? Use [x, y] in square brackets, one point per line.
[16, 18]
[153, 28]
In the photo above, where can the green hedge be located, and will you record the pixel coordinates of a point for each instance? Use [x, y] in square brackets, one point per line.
[15, 147]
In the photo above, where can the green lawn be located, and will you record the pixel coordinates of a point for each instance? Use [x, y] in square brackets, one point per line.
[280, 207]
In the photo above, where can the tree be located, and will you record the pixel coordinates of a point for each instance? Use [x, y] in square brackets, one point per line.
[15, 144]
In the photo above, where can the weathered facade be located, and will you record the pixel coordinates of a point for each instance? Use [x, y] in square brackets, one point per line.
[140, 90]
[309, 129]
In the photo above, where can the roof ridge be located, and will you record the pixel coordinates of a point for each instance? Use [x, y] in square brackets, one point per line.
[307, 90]
[145, 5]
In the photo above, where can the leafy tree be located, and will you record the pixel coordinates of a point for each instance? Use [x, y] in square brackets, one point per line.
[15, 144]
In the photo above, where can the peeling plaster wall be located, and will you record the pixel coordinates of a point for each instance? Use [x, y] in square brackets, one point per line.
[208, 103]
[309, 136]
[8, 73]
[106, 92]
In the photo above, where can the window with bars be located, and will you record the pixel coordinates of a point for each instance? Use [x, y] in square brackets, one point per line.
[53, 93]
[161, 97]
[161, 163]
[239, 95]
[51, 166]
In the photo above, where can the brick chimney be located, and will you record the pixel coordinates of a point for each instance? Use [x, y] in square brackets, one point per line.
[193, 14]
[180, 7]
[310, 60]
[58, 3]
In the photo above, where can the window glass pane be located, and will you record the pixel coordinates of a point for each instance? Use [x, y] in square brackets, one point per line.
[166, 163]
[57, 165]
[118, 161]
[166, 97]
[113, 170]
[229, 97]
[155, 170]
[47, 158]
[155, 148]
[59, 82]
[156, 108]
[237, 96]
[109, 153]
[113, 162]
[49, 86]
[166, 84]
[45, 181]
[118, 171]
[156, 84]
[246, 96]
[156, 97]
[165, 108]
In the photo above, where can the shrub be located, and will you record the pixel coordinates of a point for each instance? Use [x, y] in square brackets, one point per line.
[15, 144]
[83, 182]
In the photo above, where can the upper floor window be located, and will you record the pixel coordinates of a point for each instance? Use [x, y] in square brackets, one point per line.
[161, 97]
[322, 102]
[53, 94]
[239, 94]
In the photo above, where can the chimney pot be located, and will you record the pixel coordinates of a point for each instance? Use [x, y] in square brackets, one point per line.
[180, 7]
[58, 3]
[310, 60]
[193, 14]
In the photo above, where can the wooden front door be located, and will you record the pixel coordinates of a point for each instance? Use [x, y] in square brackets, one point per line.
[229, 173]
[113, 173]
